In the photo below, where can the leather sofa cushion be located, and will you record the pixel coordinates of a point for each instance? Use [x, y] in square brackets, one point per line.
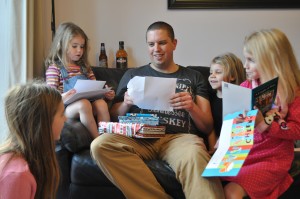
[84, 170]
[75, 136]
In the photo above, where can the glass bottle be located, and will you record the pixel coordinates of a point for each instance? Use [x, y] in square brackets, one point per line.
[102, 56]
[121, 56]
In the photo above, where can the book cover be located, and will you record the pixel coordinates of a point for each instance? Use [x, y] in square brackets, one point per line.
[263, 96]
[235, 142]
[237, 98]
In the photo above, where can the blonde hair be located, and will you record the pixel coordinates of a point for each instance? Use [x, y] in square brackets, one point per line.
[274, 56]
[58, 51]
[29, 111]
[232, 68]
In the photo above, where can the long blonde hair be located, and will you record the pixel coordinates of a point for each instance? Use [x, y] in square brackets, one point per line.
[232, 67]
[58, 51]
[274, 57]
[29, 111]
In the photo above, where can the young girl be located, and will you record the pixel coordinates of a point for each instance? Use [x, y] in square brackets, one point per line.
[66, 63]
[265, 174]
[28, 165]
[228, 68]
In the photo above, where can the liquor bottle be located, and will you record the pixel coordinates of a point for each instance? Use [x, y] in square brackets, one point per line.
[121, 56]
[102, 56]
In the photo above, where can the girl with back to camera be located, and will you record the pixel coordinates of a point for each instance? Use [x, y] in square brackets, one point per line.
[28, 165]
[66, 63]
[228, 68]
[264, 174]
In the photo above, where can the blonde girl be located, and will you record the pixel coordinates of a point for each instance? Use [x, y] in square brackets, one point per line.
[269, 54]
[66, 63]
[226, 67]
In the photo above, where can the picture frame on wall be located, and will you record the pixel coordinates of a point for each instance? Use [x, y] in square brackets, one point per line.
[233, 4]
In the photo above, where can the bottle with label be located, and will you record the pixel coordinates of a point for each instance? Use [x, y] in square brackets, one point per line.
[102, 56]
[121, 56]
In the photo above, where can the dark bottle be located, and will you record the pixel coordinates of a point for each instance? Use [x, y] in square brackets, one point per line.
[121, 56]
[102, 56]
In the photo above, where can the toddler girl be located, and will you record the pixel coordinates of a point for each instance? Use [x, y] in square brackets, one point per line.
[66, 63]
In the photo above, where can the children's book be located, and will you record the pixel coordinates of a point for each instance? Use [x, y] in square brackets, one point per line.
[238, 98]
[138, 125]
[88, 89]
[236, 138]
[235, 142]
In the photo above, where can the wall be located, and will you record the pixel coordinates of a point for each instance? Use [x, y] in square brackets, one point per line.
[201, 34]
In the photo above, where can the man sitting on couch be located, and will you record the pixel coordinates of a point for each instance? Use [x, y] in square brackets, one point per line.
[122, 158]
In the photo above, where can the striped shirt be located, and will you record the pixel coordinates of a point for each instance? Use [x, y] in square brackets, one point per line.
[54, 76]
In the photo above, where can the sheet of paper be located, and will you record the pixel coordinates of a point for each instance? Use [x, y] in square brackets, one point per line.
[238, 98]
[88, 85]
[235, 98]
[88, 89]
[152, 92]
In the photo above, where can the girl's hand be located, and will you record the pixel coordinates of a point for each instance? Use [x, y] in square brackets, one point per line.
[68, 94]
[110, 95]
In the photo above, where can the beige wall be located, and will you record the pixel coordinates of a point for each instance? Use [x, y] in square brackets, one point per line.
[201, 34]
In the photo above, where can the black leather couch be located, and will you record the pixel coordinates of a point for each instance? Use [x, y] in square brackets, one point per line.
[81, 177]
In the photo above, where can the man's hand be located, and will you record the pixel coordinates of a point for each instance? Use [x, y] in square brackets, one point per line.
[127, 99]
[182, 100]
[121, 108]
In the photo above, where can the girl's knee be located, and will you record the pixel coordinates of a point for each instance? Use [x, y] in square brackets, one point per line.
[84, 104]
[100, 103]
[234, 191]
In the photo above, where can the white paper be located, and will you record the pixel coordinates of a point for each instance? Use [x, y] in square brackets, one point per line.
[152, 92]
[235, 98]
[88, 89]
[88, 85]
[224, 143]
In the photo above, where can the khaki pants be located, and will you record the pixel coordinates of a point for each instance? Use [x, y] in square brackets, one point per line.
[122, 158]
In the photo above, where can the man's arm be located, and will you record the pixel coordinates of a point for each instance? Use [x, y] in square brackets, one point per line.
[201, 115]
[121, 108]
[199, 110]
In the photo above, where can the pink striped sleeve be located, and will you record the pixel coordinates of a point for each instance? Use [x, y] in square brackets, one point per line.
[53, 78]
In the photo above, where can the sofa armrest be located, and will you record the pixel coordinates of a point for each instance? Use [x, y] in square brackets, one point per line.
[75, 137]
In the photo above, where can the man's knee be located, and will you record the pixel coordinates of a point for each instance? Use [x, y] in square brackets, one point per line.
[97, 145]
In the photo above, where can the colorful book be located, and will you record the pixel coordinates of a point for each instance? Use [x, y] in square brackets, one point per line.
[235, 142]
[141, 114]
[136, 130]
[142, 120]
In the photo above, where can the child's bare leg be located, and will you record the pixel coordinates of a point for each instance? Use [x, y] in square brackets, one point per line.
[82, 109]
[234, 191]
[100, 109]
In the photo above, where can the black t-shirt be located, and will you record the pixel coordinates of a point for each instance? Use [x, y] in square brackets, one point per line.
[217, 112]
[188, 80]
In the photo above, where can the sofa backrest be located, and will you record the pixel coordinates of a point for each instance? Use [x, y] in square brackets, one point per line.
[112, 76]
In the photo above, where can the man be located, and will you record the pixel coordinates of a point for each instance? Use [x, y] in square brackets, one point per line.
[122, 158]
